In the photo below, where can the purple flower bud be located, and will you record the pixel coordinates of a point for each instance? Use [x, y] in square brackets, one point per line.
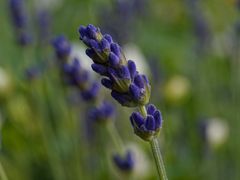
[123, 98]
[151, 109]
[138, 119]
[158, 119]
[147, 127]
[113, 60]
[94, 44]
[139, 81]
[105, 45]
[135, 91]
[123, 72]
[90, 52]
[107, 83]
[103, 113]
[82, 31]
[91, 93]
[115, 49]
[132, 68]
[62, 47]
[86, 40]
[108, 37]
[125, 163]
[150, 123]
[91, 31]
[98, 68]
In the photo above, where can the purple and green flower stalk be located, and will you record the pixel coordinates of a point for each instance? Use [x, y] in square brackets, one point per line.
[127, 85]
[20, 21]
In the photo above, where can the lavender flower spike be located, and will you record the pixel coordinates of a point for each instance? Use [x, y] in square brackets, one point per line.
[73, 73]
[147, 127]
[128, 87]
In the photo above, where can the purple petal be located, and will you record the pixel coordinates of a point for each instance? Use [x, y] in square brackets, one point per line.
[138, 119]
[139, 81]
[151, 109]
[105, 44]
[107, 83]
[115, 49]
[98, 68]
[135, 91]
[123, 99]
[90, 53]
[91, 30]
[94, 44]
[158, 119]
[82, 31]
[132, 68]
[108, 37]
[150, 123]
[123, 72]
[113, 59]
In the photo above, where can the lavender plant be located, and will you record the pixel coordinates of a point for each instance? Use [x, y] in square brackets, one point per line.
[127, 85]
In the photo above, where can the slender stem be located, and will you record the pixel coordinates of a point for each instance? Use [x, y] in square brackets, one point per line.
[158, 158]
[143, 111]
[115, 137]
[156, 151]
[3, 175]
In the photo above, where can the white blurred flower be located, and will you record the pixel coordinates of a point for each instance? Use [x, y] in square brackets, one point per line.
[5, 82]
[176, 88]
[217, 132]
[132, 52]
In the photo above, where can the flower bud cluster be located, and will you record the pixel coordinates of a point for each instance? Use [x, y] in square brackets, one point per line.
[149, 126]
[128, 87]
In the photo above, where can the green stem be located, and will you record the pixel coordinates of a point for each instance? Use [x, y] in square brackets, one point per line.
[3, 175]
[115, 137]
[158, 158]
[155, 150]
[143, 111]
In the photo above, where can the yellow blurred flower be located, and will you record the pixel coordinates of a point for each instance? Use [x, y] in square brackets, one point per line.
[176, 89]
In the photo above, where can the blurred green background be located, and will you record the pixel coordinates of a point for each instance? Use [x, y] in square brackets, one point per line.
[191, 52]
